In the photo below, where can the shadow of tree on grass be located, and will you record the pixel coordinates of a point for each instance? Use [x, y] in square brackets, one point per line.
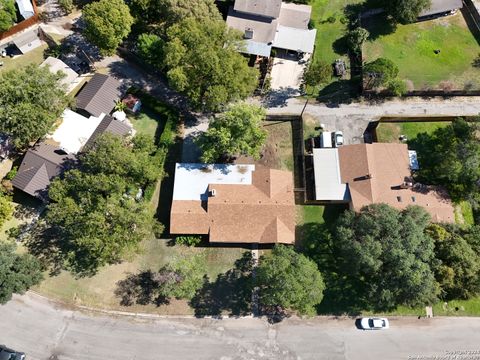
[141, 289]
[230, 293]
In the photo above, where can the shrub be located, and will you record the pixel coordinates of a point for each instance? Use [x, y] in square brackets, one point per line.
[188, 240]
[66, 5]
[12, 173]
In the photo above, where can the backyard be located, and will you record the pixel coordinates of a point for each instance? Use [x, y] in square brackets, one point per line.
[331, 24]
[35, 56]
[435, 54]
[390, 131]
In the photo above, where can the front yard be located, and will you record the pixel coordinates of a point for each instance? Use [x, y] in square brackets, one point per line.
[413, 49]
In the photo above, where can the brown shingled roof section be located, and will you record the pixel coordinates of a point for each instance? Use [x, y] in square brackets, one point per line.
[389, 165]
[263, 212]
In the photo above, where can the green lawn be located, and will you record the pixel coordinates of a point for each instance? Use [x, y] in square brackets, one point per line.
[390, 131]
[98, 290]
[32, 57]
[328, 43]
[412, 47]
[146, 122]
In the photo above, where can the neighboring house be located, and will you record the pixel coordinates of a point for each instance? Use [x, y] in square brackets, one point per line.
[365, 174]
[49, 158]
[111, 126]
[40, 165]
[441, 8]
[268, 24]
[99, 95]
[71, 77]
[234, 203]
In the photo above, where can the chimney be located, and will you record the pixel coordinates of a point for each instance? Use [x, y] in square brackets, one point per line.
[213, 193]
[248, 33]
[368, 176]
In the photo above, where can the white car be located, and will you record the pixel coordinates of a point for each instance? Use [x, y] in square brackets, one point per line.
[338, 138]
[374, 323]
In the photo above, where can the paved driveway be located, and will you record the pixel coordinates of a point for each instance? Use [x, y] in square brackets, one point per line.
[287, 73]
[46, 331]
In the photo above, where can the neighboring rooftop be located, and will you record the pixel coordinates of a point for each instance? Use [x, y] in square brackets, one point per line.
[99, 95]
[328, 182]
[267, 8]
[55, 65]
[27, 41]
[287, 29]
[234, 203]
[74, 131]
[111, 126]
[40, 165]
[442, 6]
[381, 173]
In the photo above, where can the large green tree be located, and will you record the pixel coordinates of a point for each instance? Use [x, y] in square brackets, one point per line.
[202, 61]
[389, 255]
[290, 280]
[182, 277]
[18, 272]
[168, 12]
[8, 14]
[31, 100]
[451, 157]
[457, 268]
[95, 216]
[238, 131]
[405, 11]
[108, 22]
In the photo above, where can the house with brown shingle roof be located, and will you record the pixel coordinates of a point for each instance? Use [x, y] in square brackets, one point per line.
[234, 203]
[365, 174]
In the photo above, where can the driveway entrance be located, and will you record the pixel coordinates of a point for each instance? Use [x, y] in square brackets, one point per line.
[287, 72]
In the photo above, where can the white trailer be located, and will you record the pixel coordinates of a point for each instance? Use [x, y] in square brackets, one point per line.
[326, 139]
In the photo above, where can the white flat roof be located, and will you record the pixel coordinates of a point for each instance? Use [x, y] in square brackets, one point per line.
[192, 180]
[328, 182]
[290, 38]
[74, 131]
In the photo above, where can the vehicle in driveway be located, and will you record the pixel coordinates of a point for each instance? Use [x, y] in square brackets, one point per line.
[9, 354]
[374, 323]
[338, 138]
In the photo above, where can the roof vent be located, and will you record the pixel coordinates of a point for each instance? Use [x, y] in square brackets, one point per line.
[399, 198]
[248, 33]
[368, 176]
[213, 193]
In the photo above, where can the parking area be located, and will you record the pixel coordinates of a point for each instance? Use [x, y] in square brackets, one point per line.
[287, 72]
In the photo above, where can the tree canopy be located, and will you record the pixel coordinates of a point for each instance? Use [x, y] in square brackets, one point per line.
[31, 100]
[317, 73]
[405, 11]
[238, 131]
[457, 268]
[108, 22]
[201, 61]
[96, 216]
[8, 14]
[290, 280]
[388, 254]
[18, 272]
[169, 12]
[355, 39]
[451, 157]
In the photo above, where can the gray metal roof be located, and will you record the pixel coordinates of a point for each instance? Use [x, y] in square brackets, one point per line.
[99, 95]
[40, 165]
[263, 29]
[442, 6]
[269, 8]
[111, 126]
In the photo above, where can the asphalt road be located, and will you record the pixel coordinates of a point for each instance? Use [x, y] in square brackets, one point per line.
[46, 331]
